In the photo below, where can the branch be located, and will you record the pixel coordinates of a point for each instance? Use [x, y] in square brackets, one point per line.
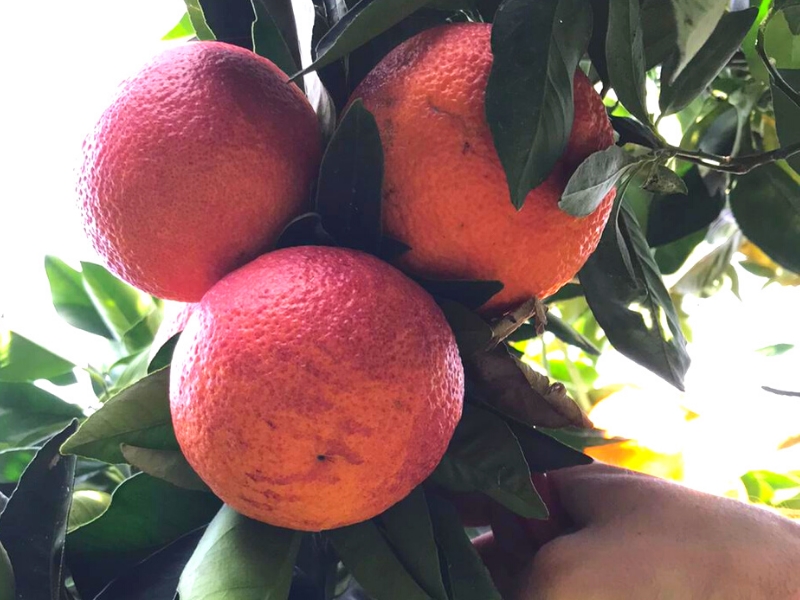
[738, 165]
[774, 74]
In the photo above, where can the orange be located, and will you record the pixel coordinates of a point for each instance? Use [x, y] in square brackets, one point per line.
[445, 192]
[195, 168]
[315, 387]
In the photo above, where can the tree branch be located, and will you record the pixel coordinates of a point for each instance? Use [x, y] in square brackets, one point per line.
[738, 165]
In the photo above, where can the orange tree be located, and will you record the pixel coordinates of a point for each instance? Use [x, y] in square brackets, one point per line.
[99, 500]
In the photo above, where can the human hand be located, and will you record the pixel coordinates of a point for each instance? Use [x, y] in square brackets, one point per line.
[630, 536]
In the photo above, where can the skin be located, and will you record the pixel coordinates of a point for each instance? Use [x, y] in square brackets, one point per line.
[632, 536]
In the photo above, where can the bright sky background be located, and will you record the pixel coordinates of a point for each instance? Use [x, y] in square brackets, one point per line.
[61, 62]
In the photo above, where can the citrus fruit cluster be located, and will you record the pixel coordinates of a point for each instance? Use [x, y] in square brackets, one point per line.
[315, 386]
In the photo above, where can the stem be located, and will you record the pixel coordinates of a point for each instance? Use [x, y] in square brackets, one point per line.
[774, 74]
[738, 165]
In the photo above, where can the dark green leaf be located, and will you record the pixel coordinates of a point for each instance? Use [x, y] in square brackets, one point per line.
[275, 34]
[670, 257]
[305, 230]
[787, 114]
[766, 205]
[169, 465]
[695, 22]
[349, 189]
[182, 29]
[708, 62]
[625, 56]
[484, 455]
[240, 559]
[663, 180]
[198, 19]
[529, 103]
[630, 302]
[408, 530]
[364, 21]
[13, 462]
[160, 357]
[28, 413]
[70, 299]
[568, 292]
[87, 505]
[660, 32]
[580, 439]
[597, 43]
[593, 180]
[145, 514]
[566, 333]
[464, 571]
[230, 20]
[675, 216]
[139, 416]
[472, 333]
[781, 42]
[7, 583]
[543, 451]
[471, 293]
[367, 554]
[21, 360]
[633, 132]
[120, 305]
[156, 577]
[34, 522]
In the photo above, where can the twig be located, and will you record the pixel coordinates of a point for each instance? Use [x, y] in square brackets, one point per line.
[512, 321]
[773, 390]
[730, 164]
[774, 74]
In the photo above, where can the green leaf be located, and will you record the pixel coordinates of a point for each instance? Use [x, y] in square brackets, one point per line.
[141, 335]
[138, 415]
[597, 42]
[663, 180]
[580, 439]
[156, 577]
[471, 293]
[787, 114]
[169, 465]
[87, 505]
[240, 559]
[775, 349]
[543, 451]
[631, 131]
[723, 43]
[781, 43]
[21, 360]
[231, 21]
[671, 257]
[120, 305]
[366, 20]
[145, 514]
[625, 56]
[28, 413]
[408, 530]
[13, 462]
[674, 216]
[466, 576]
[367, 554]
[198, 20]
[630, 302]
[593, 180]
[766, 205]
[484, 455]
[567, 333]
[183, 29]
[706, 276]
[275, 34]
[529, 103]
[351, 175]
[70, 299]
[34, 521]
[695, 22]
[472, 333]
[660, 31]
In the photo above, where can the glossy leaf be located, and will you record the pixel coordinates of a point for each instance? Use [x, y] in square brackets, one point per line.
[473, 334]
[240, 559]
[22, 360]
[87, 505]
[351, 175]
[630, 302]
[366, 553]
[484, 455]
[138, 415]
[182, 29]
[529, 102]
[593, 180]
[466, 576]
[625, 56]
[231, 21]
[156, 577]
[471, 293]
[169, 465]
[145, 514]
[71, 300]
[672, 256]
[695, 22]
[766, 205]
[198, 19]
[706, 276]
[633, 132]
[34, 521]
[724, 41]
[29, 413]
[660, 31]
[787, 115]
[275, 34]
[364, 21]
[543, 451]
[781, 43]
